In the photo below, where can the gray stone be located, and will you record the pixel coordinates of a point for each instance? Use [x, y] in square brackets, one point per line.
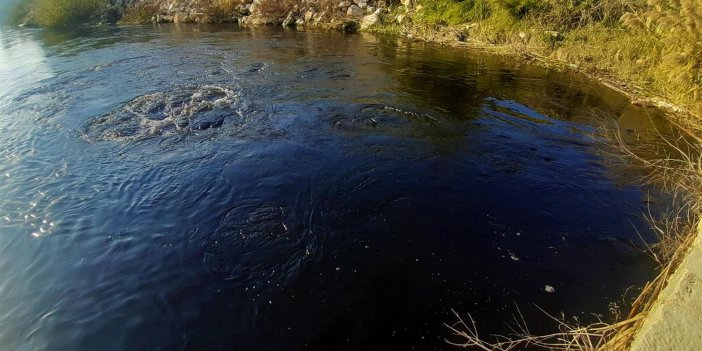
[369, 20]
[355, 11]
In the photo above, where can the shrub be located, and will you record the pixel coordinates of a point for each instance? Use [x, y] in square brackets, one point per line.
[52, 13]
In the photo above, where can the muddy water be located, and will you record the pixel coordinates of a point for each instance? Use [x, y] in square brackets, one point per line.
[215, 188]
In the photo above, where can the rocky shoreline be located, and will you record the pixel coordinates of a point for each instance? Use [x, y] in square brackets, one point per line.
[349, 16]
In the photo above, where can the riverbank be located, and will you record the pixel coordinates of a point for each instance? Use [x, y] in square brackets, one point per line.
[649, 50]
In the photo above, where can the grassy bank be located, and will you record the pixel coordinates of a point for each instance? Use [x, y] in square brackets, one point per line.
[651, 49]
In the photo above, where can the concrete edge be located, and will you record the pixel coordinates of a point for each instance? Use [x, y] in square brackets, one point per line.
[675, 321]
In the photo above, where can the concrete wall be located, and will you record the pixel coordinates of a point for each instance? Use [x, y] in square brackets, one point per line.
[675, 322]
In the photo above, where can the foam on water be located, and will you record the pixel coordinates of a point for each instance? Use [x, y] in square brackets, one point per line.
[181, 110]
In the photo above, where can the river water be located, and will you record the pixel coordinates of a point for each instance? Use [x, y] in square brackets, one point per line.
[180, 187]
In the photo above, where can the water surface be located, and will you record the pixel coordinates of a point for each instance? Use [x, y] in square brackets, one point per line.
[181, 187]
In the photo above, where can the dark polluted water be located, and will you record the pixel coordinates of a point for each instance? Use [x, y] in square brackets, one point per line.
[211, 188]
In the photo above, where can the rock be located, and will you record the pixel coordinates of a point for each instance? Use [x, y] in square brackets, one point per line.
[344, 4]
[355, 11]
[350, 26]
[300, 22]
[289, 20]
[369, 20]
[370, 9]
[257, 21]
[309, 15]
[362, 4]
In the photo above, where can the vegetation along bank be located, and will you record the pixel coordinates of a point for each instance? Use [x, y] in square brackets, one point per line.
[649, 49]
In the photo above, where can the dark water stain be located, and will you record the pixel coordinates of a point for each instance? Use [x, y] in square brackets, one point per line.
[178, 187]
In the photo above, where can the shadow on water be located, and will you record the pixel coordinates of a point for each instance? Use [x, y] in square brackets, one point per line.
[185, 187]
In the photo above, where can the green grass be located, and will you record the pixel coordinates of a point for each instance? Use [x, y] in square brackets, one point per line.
[453, 11]
[652, 44]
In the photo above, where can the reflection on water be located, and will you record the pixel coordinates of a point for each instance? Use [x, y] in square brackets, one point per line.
[178, 187]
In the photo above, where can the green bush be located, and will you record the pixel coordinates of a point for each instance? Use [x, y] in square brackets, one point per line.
[52, 13]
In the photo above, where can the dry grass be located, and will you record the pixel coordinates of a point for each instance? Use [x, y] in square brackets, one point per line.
[219, 11]
[140, 13]
[678, 170]
[274, 9]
